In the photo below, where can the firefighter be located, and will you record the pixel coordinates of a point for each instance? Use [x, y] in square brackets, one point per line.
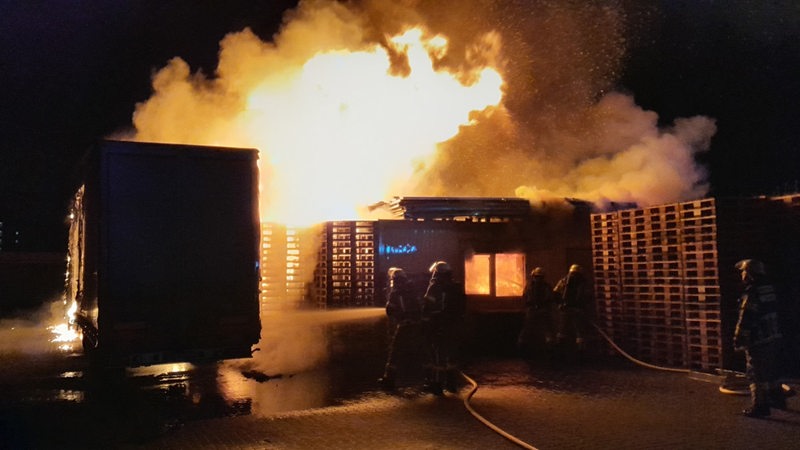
[404, 311]
[443, 315]
[757, 335]
[538, 297]
[572, 293]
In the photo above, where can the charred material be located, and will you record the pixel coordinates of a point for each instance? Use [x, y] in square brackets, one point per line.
[452, 208]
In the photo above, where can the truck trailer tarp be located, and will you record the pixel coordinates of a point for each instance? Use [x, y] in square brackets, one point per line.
[164, 252]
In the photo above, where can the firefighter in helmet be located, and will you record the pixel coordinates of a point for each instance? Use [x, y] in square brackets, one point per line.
[572, 294]
[537, 327]
[757, 334]
[443, 314]
[404, 310]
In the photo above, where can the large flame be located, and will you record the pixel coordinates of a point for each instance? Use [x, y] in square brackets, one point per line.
[351, 103]
[345, 131]
[337, 131]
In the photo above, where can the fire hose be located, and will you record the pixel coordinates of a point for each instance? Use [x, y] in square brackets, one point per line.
[631, 358]
[484, 421]
[788, 391]
[524, 444]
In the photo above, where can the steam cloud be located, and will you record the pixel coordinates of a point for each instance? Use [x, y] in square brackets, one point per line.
[562, 130]
[32, 334]
[298, 341]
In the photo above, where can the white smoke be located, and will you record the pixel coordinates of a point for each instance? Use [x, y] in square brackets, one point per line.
[631, 160]
[294, 342]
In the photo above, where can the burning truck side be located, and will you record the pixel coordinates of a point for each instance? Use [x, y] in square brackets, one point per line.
[163, 253]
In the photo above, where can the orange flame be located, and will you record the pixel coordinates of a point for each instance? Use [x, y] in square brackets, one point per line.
[347, 110]
[336, 132]
[66, 334]
[345, 132]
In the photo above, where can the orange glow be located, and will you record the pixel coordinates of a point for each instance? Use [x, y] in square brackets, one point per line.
[345, 132]
[509, 274]
[476, 275]
[350, 103]
[66, 335]
[338, 129]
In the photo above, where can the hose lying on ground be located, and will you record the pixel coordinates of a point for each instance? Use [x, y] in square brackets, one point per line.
[524, 444]
[636, 361]
[492, 426]
[617, 348]
[788, 391]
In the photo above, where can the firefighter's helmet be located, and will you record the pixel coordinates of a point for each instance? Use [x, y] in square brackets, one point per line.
[537, 272]
[575, 269]
[396, 272]
[753, 266]
[440, 267]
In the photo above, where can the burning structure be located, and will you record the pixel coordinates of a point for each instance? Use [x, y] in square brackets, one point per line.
[491, 243]
[162, 262]
[353, 101]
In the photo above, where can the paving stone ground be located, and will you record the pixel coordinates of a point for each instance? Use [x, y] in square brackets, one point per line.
[619, 407]
[594, 404]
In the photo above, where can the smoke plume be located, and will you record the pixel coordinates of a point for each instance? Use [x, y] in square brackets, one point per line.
[562, 128]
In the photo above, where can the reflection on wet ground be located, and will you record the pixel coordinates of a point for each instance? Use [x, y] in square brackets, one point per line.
[565, 376]
[328, 362]
[306, 360]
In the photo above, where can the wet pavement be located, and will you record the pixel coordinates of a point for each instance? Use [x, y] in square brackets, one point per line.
[57, 400]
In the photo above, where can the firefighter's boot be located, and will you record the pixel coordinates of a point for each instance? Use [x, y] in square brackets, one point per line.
[756, 411]
[759, 393]
[434, 387]
[433, 382]
[450, 381]
[777, 396]
[387, 380]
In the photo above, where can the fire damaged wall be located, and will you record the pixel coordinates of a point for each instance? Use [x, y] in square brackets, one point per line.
[665, 283]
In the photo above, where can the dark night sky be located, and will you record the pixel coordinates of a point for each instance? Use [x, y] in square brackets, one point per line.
[72, 71]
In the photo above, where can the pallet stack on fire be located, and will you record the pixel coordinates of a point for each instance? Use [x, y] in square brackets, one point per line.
[665, 285]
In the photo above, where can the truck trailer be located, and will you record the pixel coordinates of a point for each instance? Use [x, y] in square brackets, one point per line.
[163, 253]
